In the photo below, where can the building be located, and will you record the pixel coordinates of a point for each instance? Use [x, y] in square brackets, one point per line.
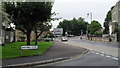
[3, 25]
[115, 24]
[9, 35]
[3, 28]
[20, 36]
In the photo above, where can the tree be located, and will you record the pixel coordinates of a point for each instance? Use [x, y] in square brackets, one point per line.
[94, 27]
[107, 20]
[40, 28]
[73, 26]
[25, 15]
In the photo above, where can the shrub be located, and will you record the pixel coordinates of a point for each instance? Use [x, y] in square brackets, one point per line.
[98, 33]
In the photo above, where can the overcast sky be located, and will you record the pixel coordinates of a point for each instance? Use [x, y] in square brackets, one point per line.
[69, 9]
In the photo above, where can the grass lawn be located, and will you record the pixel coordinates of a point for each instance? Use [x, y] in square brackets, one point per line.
[13, 49]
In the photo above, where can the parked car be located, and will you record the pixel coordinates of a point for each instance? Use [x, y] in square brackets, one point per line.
[48, 39]
[64, 39]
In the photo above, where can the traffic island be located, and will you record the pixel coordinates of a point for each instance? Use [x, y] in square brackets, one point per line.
[13, 50]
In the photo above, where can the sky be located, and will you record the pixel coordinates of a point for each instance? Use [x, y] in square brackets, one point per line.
[68, 9]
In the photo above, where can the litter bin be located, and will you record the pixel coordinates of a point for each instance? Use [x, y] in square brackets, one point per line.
[110, 39]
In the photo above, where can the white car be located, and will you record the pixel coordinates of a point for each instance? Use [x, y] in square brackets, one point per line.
[64, 39]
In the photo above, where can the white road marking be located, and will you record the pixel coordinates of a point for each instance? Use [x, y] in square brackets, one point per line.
[102, 54]
[97, 53]
[114, 58]
[64, 42]
[108, 56]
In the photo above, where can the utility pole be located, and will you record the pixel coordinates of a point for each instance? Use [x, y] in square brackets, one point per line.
[90, 16]
[87, 28]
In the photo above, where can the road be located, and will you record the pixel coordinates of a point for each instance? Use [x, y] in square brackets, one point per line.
[102, 54]
[103, 47]
[91, 59]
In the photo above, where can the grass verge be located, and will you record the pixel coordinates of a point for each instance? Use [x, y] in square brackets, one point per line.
[13, 50]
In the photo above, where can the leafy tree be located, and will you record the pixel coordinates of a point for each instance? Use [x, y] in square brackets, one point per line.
[25, 15]
[73, 26]
[40, 28]
[94, 27]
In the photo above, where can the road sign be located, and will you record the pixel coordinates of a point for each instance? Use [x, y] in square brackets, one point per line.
[58, 31]
[29, 47]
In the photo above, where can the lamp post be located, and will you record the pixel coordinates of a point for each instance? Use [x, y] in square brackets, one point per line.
[88, 35]
[90, 16]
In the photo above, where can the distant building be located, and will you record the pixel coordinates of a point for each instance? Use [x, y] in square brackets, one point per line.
[115, 20]
[20, 36]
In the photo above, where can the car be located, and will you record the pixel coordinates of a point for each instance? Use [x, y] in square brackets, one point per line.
[64, 39]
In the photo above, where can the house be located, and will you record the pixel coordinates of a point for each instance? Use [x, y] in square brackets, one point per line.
[9, 35]
[20, 36]
[4, 20]
[3, 25]
[115, 24]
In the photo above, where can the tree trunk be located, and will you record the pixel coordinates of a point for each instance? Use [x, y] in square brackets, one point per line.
[36, 38]
[28, 38]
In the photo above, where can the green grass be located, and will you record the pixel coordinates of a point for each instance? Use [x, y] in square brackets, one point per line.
[13, 49]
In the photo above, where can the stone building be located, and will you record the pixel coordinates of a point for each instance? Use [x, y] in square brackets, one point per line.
[20, 36]
[3, 25]
[116, 20]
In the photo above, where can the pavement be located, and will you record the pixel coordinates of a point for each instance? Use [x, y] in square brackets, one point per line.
[106, 43]
[58, 50]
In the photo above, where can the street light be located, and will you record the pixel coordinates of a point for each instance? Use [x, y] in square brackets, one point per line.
[87, 26]
[90, 16]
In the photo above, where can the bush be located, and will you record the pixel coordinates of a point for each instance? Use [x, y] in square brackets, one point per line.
[98, 33]
[22, 38]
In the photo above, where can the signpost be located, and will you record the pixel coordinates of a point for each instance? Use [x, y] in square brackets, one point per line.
[58, 31]
[29, 48]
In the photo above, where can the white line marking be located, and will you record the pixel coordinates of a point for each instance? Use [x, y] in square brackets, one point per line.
[114, 58]
[107, 56]
[64, 42]
[102, 54]
[97, 53]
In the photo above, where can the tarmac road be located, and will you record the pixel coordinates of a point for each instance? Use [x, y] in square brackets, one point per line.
[91, 59]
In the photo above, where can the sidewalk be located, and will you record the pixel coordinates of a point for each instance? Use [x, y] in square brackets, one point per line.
[97, 40]
[58, 50]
